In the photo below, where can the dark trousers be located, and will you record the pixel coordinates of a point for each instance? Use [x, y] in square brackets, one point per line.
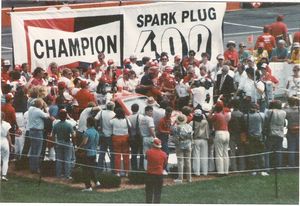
[89, 170]
[105, 144]
[137, 150]
[164, 144]
[153, 188]
[255, 146]
[273, 143]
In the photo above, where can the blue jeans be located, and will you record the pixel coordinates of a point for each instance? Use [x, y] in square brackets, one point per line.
[274, 143]
[63, 155]
[105, 144]
[36, 145]
[164, 144]
[293, 146]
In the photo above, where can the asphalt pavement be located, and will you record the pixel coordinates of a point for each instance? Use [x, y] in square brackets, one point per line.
[238, 25]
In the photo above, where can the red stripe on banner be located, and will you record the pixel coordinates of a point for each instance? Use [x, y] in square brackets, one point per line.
[66, 24]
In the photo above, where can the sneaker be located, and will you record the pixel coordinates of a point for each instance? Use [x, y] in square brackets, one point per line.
[87, 190]
[69, 178]
[118, 174]
[264, 174]
[98, 184]
[165, 172]
[254, 173]
[178, 181]
[190, 181]
[4, 178]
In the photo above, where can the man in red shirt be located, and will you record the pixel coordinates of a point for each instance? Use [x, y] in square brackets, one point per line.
[279, 29]
[231, 53]
[157, 159]
[164, 130]
[267, 39]
[219, 120]
[83, 96]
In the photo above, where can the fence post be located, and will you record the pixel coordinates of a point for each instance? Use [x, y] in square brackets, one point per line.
[275, 169]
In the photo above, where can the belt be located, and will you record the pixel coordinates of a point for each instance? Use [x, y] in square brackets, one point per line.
[36, 129]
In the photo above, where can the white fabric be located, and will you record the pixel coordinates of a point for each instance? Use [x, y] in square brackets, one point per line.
[82, 119]
[120, 126]
[68, 81]
[250, 90]
[200, 155]
[221, 143]
[138, 70]
[107, 115]
[182, 89]
[146, 123]
[199, 96]
[36, 118]
[294, 86]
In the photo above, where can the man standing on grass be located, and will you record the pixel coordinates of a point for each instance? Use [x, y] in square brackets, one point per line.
[157, 160]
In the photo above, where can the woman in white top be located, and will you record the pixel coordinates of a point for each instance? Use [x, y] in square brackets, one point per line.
[120, 140]
[5, 142]
[293, 84]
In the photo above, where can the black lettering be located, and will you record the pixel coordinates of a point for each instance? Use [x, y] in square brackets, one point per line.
[164, 19]
[62, 48]
[155, 20]
[35, 45]
[185, 15]
[50, 47]
[192, 16]
[172, 19]
[212, 14]
[92, 45]
[140, 21]
[148, 19]
[200, 12]
[112, 44]
[74, 47]
[84, 44]
[102, 44]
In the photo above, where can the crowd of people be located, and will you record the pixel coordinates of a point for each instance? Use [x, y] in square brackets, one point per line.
[74, 110]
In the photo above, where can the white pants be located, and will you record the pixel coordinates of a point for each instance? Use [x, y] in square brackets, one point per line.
[4, 155]
[147, 144]
[200, 155]
[221, 143]
[184, 160]
[19, 140]
[211, 160]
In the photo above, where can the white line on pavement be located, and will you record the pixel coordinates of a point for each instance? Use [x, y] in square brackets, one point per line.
[252, 32]
[6, 34]
[4, 47]
[257, 27]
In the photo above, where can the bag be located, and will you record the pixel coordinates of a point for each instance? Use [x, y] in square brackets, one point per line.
[267, 127]
[137, 136]
[185, 144]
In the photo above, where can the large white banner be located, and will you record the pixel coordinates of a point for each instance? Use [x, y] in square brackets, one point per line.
[78, 35]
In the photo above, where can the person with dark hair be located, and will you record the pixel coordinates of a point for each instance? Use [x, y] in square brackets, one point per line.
[235, 131]
[37, 78]
[280, 53]
[231, 53]
[147, 130]
[164, 59]
[157, 160]
[164, 130]
[275, 121]
[267, 39]
[279, 29]
[292, 116]
[120, 140]
[200, 143]
[254, 121]
[103, 118]
[190, 60]
[136, 141]
[89, 145]
[63, 133]
[25, 71]
[220, 120]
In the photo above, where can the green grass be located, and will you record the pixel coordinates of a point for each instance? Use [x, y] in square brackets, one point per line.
[239, 189]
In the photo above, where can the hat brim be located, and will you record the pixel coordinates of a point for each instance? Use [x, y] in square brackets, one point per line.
[156, 146]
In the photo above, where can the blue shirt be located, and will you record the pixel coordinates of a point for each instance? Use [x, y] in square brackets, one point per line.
[62, 131]
[280, 53]
[93, 140]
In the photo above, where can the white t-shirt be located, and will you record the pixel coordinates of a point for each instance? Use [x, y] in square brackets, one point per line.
[107, 115]
[68, 82]
[199, 96]
[120, 126]
[146, 123]
[250, 90]
[82, 119]
[182, 89]
[5, 127]
[294, 86]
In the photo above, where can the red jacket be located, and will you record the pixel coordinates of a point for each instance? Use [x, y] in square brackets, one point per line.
[83, 97]
[156, 159]
[268, 40]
